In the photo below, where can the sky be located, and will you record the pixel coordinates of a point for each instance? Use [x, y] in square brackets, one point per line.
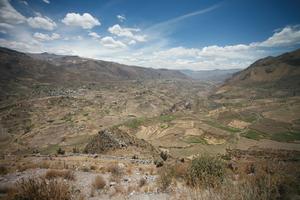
[172, 34]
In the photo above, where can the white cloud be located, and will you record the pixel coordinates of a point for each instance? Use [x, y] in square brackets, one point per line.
[127, 32]
[40, 22]
[86, 21]
[94, 35]
[289, 35]
[5, 25]
[24, 2]
[46, 37]
[165, 27]
[132, 42]
[111, 43]
[10, 15]
[121, 18]
[46, 1]
[20, 45]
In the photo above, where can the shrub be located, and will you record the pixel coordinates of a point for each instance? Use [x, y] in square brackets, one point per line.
[99, 182]
[60, 151]
[3, 170]
[142, 182]
[85, 169]
[75, 150]
[165, 177]
[164, 155]
[158, 162]
[65, 174]
[115, 170]
[207, 171]
[40, 188]
[180, 170]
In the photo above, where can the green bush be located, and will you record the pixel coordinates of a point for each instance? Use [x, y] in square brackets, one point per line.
[206, 171]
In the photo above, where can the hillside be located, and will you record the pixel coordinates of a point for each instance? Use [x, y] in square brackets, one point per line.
[20, 71]
[217, 75]
[280, 71]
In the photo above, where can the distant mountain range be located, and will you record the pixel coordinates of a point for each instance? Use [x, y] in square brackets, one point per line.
[55, 68]
[21, 69]
[21, 72]
[217, 75]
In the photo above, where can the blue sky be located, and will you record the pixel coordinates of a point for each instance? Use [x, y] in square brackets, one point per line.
[174, 34]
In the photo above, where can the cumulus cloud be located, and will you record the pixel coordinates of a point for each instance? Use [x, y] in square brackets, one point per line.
[46, 37]
[221, 57]
[289, 35]
[10, 15]
[127, 32]
[40, 22]
[46, 1]
[121, 18]
[112, 43]
[94, 35]
[85, 21]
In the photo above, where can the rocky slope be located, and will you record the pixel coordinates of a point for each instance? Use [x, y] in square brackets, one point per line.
[283, 70]
[113, 139]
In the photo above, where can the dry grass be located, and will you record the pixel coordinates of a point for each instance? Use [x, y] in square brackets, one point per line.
[142, 182]
[99, 182]
[165, 178]
[116, 171]
[41, 188]
[180, 170]
[93, 167]
[65, 174]
[44, 165]
[206, 171]
[119, 189]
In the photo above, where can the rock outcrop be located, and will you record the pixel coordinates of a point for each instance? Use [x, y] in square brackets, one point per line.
[113, 139]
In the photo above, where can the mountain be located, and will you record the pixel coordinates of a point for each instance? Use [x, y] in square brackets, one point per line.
[47, 67]
[20, 71]
[217, 75]
[268, 77]
[280, 71]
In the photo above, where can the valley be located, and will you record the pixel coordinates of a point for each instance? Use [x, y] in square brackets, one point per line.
[100, 113]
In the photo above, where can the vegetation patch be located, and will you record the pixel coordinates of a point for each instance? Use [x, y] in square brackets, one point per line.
[206, 171]
[195, 140]
[99, 182]
[254, 135]
[286, 137]
[51, 149]
[65, 174]
[134, 123]
[221, 126]
[137, 122]
[279, 137]
[166, 118]
[40, 188]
